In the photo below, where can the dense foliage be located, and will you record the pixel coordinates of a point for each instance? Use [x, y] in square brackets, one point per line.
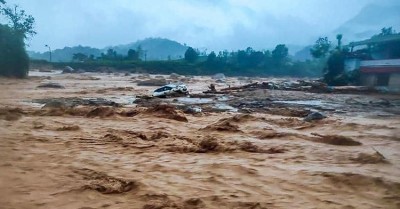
[14, 61]
[191, 55]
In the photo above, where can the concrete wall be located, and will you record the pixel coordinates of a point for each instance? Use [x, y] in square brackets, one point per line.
[394, 81]
[368, 80]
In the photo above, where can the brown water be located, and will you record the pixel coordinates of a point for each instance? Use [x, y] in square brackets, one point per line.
[147, 161]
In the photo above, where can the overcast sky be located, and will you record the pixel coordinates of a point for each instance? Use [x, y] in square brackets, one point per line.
[213, 24]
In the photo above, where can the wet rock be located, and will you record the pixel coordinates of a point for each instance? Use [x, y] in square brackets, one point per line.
[51, 85]
[192, 110]
[68, 69]
[314, 116]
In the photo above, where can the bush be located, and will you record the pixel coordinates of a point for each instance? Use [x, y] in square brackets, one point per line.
[14, 61]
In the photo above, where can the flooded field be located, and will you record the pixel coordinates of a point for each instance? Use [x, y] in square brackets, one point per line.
[101, 141]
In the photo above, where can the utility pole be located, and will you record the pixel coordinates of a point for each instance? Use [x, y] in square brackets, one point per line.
[49, 50]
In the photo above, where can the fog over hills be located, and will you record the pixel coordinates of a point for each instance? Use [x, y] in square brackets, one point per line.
[369, 21]
[155, 49]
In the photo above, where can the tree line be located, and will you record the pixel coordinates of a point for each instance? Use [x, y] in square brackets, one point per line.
[253, 62]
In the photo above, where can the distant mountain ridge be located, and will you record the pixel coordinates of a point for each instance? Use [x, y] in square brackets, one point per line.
[154, 48]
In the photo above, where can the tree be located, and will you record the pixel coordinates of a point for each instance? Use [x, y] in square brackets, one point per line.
[141, 53]
[191, 55]
[334, 70]
[280, 54]
[14, 61]
[19, 20]
[111, 54]
[79, 57]
[321, 48]
[241, 58]
[212, 57]
[339, 40]
[256, 58]
[133, 55]
[387, 31]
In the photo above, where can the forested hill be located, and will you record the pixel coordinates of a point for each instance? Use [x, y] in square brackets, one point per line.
[154, 48]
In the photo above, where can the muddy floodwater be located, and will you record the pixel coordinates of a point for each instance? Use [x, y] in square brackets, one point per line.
[101, 141]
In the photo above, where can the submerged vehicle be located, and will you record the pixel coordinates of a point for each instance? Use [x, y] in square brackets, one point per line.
[170, 90]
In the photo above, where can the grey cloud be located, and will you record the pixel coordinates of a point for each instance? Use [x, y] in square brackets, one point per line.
[216, 25]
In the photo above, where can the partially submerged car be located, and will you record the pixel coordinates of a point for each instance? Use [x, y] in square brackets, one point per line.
[171, 90]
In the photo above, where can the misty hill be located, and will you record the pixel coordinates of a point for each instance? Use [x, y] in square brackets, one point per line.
[369, 21]
[65, 54]
[155, 48]
[303, 54]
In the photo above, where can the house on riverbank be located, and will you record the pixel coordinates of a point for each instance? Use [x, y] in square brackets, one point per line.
[377, 59]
